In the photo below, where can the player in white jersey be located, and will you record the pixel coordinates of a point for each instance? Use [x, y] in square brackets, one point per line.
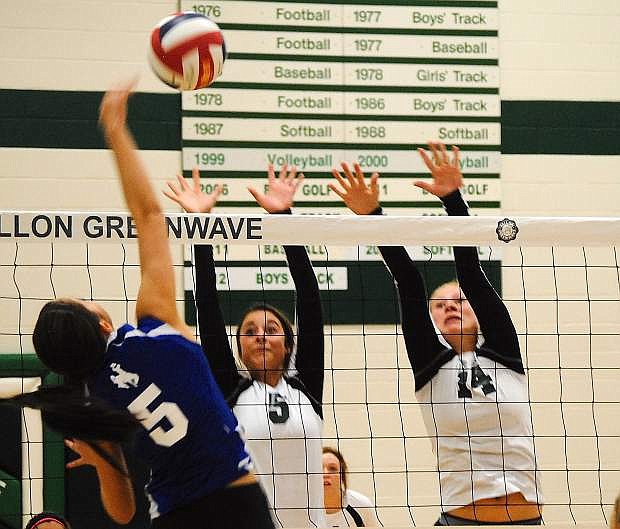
[280, 414]
[344, 507]
[152, 380]
[467, 365]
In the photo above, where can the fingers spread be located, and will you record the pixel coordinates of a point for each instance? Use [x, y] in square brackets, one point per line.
[271, 174]
[299, 180]
[217, 191]
[173, 187]
[456, 157]
[258, 196]
[359, 175]
[196, 179]
[444, 154]
[435, 152]
[171, 196]
[336, 190]
[427, 161]
[424, 185]
[182, 182]
[341, 180]
[374, 183]
[291, 175]
[348, 173]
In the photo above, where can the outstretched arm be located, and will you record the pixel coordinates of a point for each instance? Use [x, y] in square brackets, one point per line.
[493, 317]
[310, 356]
[211, 325]
[115, 487]
[309, 359]
[156, 296]
[418, 329]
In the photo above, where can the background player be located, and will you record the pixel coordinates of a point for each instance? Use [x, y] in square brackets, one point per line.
[281, 415]
[199, 468]
[469, 376]
[344, 507]
[48, 520]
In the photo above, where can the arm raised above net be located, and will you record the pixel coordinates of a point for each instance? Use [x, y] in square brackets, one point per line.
[310, 356]
[156, 296]
[495, 322]
[421, 339]
[309, 359]
[211, 324]
[493, 317]
[423, 345]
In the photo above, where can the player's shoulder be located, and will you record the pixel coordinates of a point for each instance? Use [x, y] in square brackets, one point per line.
[148, 328]
[357, 499]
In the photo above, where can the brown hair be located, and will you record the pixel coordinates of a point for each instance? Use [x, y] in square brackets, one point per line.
[343, 465]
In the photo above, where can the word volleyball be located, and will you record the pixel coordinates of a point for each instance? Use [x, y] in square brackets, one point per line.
[119, 227]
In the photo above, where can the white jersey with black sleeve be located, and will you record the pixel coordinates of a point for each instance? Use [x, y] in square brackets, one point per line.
[282, 425]
[357, 511]
[282, 428]
[475, 404]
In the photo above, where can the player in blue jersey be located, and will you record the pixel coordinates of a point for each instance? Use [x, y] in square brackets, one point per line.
[153, 376]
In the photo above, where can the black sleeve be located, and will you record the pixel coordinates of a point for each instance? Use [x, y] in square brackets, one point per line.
[500, 336]
[310, 355]
[423, 345]
[211, 324]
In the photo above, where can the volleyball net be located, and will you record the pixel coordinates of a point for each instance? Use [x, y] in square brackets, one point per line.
[560, 279]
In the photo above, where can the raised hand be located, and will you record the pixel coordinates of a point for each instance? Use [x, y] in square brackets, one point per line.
[191, 198]
[281, 191]
[359, 197]
[113, 107]
[446, 173]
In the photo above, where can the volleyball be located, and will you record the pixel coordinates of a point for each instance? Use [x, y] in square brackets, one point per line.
[187, 51]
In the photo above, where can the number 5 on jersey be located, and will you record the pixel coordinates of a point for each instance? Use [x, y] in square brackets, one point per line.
[278, 408]
[166, 410]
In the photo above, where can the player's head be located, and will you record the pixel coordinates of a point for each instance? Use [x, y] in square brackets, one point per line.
[70, 339]
[452, 313]
[48, 520]
[265, 339]
[334, 470]
[70, 336]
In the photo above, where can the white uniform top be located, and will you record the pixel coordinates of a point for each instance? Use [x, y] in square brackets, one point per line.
[283, 434]
[360, 504]
[484, 442]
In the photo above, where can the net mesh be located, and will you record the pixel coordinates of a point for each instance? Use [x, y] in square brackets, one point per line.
[564, 302]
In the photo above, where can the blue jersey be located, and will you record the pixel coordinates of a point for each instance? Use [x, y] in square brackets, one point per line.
[190, 438]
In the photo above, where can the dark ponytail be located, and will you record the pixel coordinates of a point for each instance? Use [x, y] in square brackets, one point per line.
[67, 339]
[67, 410]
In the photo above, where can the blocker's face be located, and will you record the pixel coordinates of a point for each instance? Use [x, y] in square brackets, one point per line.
[452, 313]
[262, 341]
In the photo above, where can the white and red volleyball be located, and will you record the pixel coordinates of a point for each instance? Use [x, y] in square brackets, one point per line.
[187, 51]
